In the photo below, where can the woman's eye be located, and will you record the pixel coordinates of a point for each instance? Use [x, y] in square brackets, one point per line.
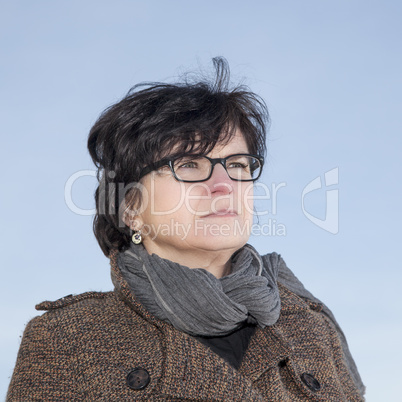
[188, 165]
[237, 165]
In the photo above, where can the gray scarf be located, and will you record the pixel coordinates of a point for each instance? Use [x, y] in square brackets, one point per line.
[195, 301]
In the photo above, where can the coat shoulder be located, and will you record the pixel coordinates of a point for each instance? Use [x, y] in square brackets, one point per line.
[88, 314]
[71, 300]
[291, 302]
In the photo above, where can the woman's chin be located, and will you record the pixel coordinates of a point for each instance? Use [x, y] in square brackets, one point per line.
[220, 243]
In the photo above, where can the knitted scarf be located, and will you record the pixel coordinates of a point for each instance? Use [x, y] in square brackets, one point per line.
[195, 301]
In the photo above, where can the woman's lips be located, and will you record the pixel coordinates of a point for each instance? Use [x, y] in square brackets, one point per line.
[221, 214]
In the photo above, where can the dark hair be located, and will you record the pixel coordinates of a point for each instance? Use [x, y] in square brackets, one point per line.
[152, 120]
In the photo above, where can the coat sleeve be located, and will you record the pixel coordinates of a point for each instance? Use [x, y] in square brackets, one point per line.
[43, 371]
[287, 278]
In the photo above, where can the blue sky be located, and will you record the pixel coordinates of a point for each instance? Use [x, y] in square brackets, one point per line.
[330, 73]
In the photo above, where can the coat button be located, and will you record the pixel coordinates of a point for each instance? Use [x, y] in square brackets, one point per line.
[138, 378]
[311, 382]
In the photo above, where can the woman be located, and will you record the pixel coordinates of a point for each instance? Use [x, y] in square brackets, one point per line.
[196, 313]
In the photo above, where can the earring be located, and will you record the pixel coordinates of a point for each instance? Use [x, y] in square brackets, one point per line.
[137, 238]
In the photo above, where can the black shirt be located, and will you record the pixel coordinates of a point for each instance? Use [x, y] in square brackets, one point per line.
[231, 347]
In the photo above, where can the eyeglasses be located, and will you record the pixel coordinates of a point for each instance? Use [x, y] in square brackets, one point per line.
[195, 168]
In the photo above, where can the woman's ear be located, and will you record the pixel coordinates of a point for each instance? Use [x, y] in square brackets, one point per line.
[133, 221]
[131, 207]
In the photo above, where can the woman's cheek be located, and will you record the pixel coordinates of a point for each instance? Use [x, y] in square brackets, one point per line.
[246, 200]
[197, 199]
[167, 198]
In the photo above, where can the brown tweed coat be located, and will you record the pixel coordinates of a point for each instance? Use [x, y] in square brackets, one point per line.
[95, 347]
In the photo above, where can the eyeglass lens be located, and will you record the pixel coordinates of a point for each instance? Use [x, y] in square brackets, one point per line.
[239, 167]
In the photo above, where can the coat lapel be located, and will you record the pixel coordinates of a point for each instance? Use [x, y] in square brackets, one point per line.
[266, 349]
[193, 371]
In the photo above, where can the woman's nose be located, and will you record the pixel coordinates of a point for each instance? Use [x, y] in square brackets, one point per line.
[220, 180]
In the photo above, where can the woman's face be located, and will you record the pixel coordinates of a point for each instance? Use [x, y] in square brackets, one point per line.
[214, 215]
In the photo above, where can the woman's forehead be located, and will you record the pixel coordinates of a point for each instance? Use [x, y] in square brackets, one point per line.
[226, 144]
[236, 144]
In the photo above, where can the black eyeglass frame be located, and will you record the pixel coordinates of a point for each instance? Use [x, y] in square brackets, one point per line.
[214, 161]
